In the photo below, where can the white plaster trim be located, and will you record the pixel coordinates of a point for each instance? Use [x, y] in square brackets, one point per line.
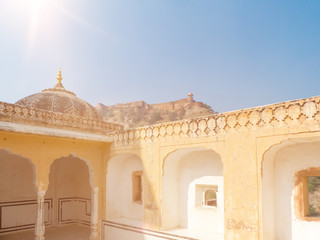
[40, 227]
[94, 213]
[55, 132]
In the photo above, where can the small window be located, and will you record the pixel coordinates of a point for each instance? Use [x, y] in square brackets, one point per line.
[314, 196]
[210, 198]
[137, 187]
[307, 194]
[206, 195]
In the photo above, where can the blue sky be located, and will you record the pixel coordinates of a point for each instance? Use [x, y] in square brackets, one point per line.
[230, 54]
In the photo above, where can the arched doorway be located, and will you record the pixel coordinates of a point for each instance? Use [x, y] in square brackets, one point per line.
[124, 189]
[70, 187]
[281, 168]
[192, 192]
[18, 196]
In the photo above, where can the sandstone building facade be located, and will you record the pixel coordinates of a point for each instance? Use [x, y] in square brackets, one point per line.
[240, 175]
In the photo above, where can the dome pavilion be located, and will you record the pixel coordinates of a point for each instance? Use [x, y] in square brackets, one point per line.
[58, 99]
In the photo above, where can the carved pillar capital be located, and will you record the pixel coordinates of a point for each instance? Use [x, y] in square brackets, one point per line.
[41, 194]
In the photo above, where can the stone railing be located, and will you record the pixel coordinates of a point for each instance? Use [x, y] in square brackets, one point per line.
[33, 116]
[279, 115]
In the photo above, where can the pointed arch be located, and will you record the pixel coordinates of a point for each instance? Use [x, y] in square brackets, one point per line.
[6, 151]
[187, 172]
[280, 164]
[71, 185]
[18, 192]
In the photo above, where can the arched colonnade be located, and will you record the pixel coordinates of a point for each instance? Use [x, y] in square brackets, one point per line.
[25, 203]
[189, 176]
[191, 185]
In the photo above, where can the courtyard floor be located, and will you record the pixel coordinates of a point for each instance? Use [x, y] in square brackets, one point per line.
[196, 234]
[183, 232]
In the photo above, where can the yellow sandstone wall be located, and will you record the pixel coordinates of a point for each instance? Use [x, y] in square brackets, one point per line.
[241, 138]
[42, 151]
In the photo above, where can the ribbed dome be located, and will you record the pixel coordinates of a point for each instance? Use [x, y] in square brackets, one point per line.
[58, 99]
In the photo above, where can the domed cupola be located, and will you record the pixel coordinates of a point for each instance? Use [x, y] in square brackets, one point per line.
[58, 99]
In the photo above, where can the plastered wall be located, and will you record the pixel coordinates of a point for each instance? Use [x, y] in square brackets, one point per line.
[119, 187]
[17, 193]
[70, 188]
[17, 178]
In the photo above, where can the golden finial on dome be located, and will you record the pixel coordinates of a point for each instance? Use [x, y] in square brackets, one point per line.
[59, 78]
[58, 87]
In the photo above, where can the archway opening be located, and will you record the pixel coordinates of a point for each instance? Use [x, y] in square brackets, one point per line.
[124, 191]
[18, 197]
[70, 189]
[282, 197]
[192, 193]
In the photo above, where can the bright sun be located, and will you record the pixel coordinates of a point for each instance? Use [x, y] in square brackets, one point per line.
[36, 2]
[29, 16]
[26, 8]
[27, 4]
[39, 20]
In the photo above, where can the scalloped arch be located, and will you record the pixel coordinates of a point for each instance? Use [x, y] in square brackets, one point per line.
[9, 152]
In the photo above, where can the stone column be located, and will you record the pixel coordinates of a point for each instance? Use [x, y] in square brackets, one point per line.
[40, 228]
[94, 213]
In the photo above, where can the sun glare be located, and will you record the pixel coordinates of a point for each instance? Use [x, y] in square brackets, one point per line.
[28, 4]
[26, 16]
[37, 2]
[40, 21]
[36, 6]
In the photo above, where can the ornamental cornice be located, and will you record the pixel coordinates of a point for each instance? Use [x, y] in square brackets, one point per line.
[34, 116]
[280, 115]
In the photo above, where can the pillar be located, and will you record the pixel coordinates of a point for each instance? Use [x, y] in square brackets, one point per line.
[94, 214]
[40, 228]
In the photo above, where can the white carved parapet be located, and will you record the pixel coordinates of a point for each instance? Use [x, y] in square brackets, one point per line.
[281, 115]
[20, 114]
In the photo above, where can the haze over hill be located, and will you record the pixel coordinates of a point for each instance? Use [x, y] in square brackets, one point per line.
[136, 114]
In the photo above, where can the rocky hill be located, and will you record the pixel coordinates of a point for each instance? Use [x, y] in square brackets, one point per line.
[136, 114]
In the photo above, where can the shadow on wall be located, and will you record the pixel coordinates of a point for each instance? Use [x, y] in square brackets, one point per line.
[18, 198]
[124, 189]
[280, 164]
[70, 189]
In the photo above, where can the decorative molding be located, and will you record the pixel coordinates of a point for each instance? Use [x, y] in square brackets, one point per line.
[87, 204]
[281, 115]
[48, 222]
[33, 116]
